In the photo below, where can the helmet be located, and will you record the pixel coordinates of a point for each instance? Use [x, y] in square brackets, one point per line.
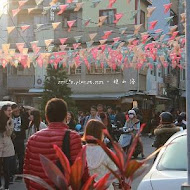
[166, 117]
[183, 115]
[136, 110]
[78, 127]
[131, 112]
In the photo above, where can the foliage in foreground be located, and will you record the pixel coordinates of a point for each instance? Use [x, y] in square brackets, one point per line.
[71, 179]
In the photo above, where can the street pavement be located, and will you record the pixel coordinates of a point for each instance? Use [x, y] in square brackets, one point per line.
[147, 142]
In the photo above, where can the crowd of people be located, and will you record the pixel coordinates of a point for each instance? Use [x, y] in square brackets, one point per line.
[18, 127]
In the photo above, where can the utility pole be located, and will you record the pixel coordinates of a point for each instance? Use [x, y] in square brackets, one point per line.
[187, 185]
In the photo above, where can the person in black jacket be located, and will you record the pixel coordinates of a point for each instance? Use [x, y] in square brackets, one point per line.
[71, 120]
[120, 118]
[165, 130]
[21, 123]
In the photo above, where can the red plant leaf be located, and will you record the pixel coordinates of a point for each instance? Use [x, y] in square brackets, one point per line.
[118, 149]
[89, 183]
[64, 162]
[77, 170]
[53, 173]
[133, 145]
[36, 179]
[76, 174]
[103, 183]
[132, 167]
[111, 154]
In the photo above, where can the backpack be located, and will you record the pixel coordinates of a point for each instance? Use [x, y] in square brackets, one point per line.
[65, 148]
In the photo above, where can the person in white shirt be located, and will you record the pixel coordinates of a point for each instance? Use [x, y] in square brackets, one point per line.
[35, 123]
[97, 159]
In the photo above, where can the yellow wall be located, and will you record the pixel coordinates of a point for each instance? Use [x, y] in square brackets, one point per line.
[120, 5]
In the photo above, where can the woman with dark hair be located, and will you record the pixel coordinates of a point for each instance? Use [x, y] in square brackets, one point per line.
[35, 123]
[71, 120]
[94, 128]
[6, 145]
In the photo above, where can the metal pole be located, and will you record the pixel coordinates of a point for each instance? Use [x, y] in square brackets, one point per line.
[188, 82]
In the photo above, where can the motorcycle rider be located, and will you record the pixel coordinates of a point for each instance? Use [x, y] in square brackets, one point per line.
[133, 122]
[165, 130]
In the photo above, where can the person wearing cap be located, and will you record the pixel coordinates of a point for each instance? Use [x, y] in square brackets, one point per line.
[165, 130]
[133, 122]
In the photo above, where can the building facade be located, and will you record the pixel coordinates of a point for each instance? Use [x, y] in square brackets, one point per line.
[116, 86]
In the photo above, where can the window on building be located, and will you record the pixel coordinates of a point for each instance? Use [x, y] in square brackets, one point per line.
[110, 13]
[74, 70]
[110, 70]
[174, 21]
[142, 18]
[153, 70]
[95, 69]
[52, 15]
[182, 74]
[160, 72]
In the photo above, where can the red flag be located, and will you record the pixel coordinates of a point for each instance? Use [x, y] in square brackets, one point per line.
[118, 16]
[62, 9]
[76, 45]
[70, 24]
[111, 2]
[167, 7]
[23, 28]
[153, 24]
[63, 40]
[106, 34]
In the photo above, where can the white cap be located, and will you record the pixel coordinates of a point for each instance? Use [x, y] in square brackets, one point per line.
[131, 112]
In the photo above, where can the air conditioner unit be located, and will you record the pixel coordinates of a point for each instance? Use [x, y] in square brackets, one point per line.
[39, 82]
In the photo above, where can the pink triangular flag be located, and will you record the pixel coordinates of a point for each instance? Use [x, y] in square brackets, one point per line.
[20, 47]
[62, 9]
[167, 7]
[69, 1]
[70, 24]
[116, 39]
[86, 22]
[22, 3]
[106, 34]
[63, 40]
[174, 35]
[78, 6]
[15, 12]
[25, 27]
[118, 16]
[75, 46]
[111, 2]
[153, 24]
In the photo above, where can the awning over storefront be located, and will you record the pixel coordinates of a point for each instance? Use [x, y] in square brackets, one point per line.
[162, 98]
[109, 96]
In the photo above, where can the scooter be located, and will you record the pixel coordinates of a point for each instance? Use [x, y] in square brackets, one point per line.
[126, 138]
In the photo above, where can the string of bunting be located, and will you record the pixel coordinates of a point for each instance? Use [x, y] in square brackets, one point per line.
[139, 52]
